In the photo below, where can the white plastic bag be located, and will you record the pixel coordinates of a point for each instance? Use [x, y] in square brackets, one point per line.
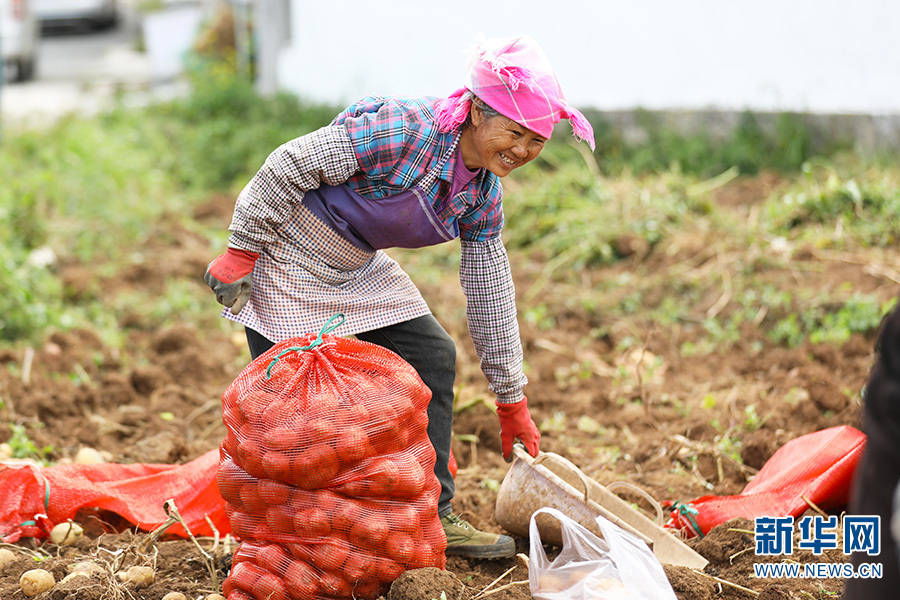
[618, 567]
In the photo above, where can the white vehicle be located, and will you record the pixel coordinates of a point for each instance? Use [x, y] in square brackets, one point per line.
[100, 13]
[19, 35]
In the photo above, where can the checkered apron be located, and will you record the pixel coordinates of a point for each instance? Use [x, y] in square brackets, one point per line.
[311, 272]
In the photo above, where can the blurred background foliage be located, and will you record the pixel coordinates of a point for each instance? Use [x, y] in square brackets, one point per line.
[87, 190]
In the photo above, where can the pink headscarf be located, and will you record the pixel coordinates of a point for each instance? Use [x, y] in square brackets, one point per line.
[514, 77]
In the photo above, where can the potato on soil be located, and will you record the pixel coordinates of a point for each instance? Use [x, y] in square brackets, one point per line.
[174, 596]
[6, 557]
[88, 456]
[66, 534]
[139, 576]
[86, 566]
[75, 575]
[215, 597]
[35, 581]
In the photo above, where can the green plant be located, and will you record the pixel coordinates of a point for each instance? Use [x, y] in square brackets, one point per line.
[794, 141]
[607, 455]
[29, 308]
[788, 331]
[700, 348]
[556, 422]
[589, 425]
[491, 484]
[730, 447]
[782, 143]
[24, 447]
[858, 315]
[863, 203]
[752, 420]
[823, 323]
[539, 316]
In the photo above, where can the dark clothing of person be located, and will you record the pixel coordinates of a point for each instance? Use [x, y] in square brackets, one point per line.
[878, 472]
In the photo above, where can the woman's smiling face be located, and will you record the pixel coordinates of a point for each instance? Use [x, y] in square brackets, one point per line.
[498, 144]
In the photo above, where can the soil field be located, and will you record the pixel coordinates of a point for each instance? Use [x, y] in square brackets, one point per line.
[677, 425]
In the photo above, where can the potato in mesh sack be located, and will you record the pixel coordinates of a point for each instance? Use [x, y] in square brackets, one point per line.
[327, 472]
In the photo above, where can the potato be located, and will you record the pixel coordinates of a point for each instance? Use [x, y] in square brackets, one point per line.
[88, 456]
[35, 581]
[139, 576]
[174, 596]
[215, 597]
[6, 557]
[66, 534]
[75, 574]
[5, 451]
[86, 566]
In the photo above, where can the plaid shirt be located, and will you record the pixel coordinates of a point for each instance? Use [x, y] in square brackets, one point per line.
[397, 142]
[380, 147]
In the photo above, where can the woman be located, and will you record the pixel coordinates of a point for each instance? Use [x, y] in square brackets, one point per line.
[307, 234]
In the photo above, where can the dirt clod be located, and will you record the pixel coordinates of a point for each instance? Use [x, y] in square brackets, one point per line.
[725, 540]
[685, 581]
[425, 583]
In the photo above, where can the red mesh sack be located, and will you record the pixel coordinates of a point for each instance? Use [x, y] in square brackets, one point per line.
[33, 499]
[817, 467]
[327, 471]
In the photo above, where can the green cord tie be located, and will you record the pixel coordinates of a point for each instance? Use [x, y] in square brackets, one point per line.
[688, 511]
[329, 326]
[33, 523]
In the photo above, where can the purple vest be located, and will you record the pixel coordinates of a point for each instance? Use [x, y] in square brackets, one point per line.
[405, 220]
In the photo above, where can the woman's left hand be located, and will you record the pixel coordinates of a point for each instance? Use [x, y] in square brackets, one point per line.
[230, 277]
[516, 422]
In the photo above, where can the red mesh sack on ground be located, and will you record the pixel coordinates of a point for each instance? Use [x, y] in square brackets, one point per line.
[817, 467]
[33, 498]
[327, 472]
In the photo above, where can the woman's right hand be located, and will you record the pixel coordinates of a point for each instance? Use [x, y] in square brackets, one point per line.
[516, 422]
[230, 276]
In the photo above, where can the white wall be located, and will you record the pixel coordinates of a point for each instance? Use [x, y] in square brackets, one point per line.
[804, 55]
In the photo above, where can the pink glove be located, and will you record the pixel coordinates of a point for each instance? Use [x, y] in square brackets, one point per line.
[515, 422]
[229, 276]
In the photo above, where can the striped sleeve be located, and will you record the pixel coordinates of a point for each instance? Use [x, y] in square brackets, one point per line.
[323, 156]
[394, 140]
[377, 136]
[486, 280]
[484, 219]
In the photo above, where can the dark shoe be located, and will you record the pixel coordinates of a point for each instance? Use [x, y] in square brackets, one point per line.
[465, 540]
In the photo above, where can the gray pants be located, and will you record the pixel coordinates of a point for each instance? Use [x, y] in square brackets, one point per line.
[424, 344]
